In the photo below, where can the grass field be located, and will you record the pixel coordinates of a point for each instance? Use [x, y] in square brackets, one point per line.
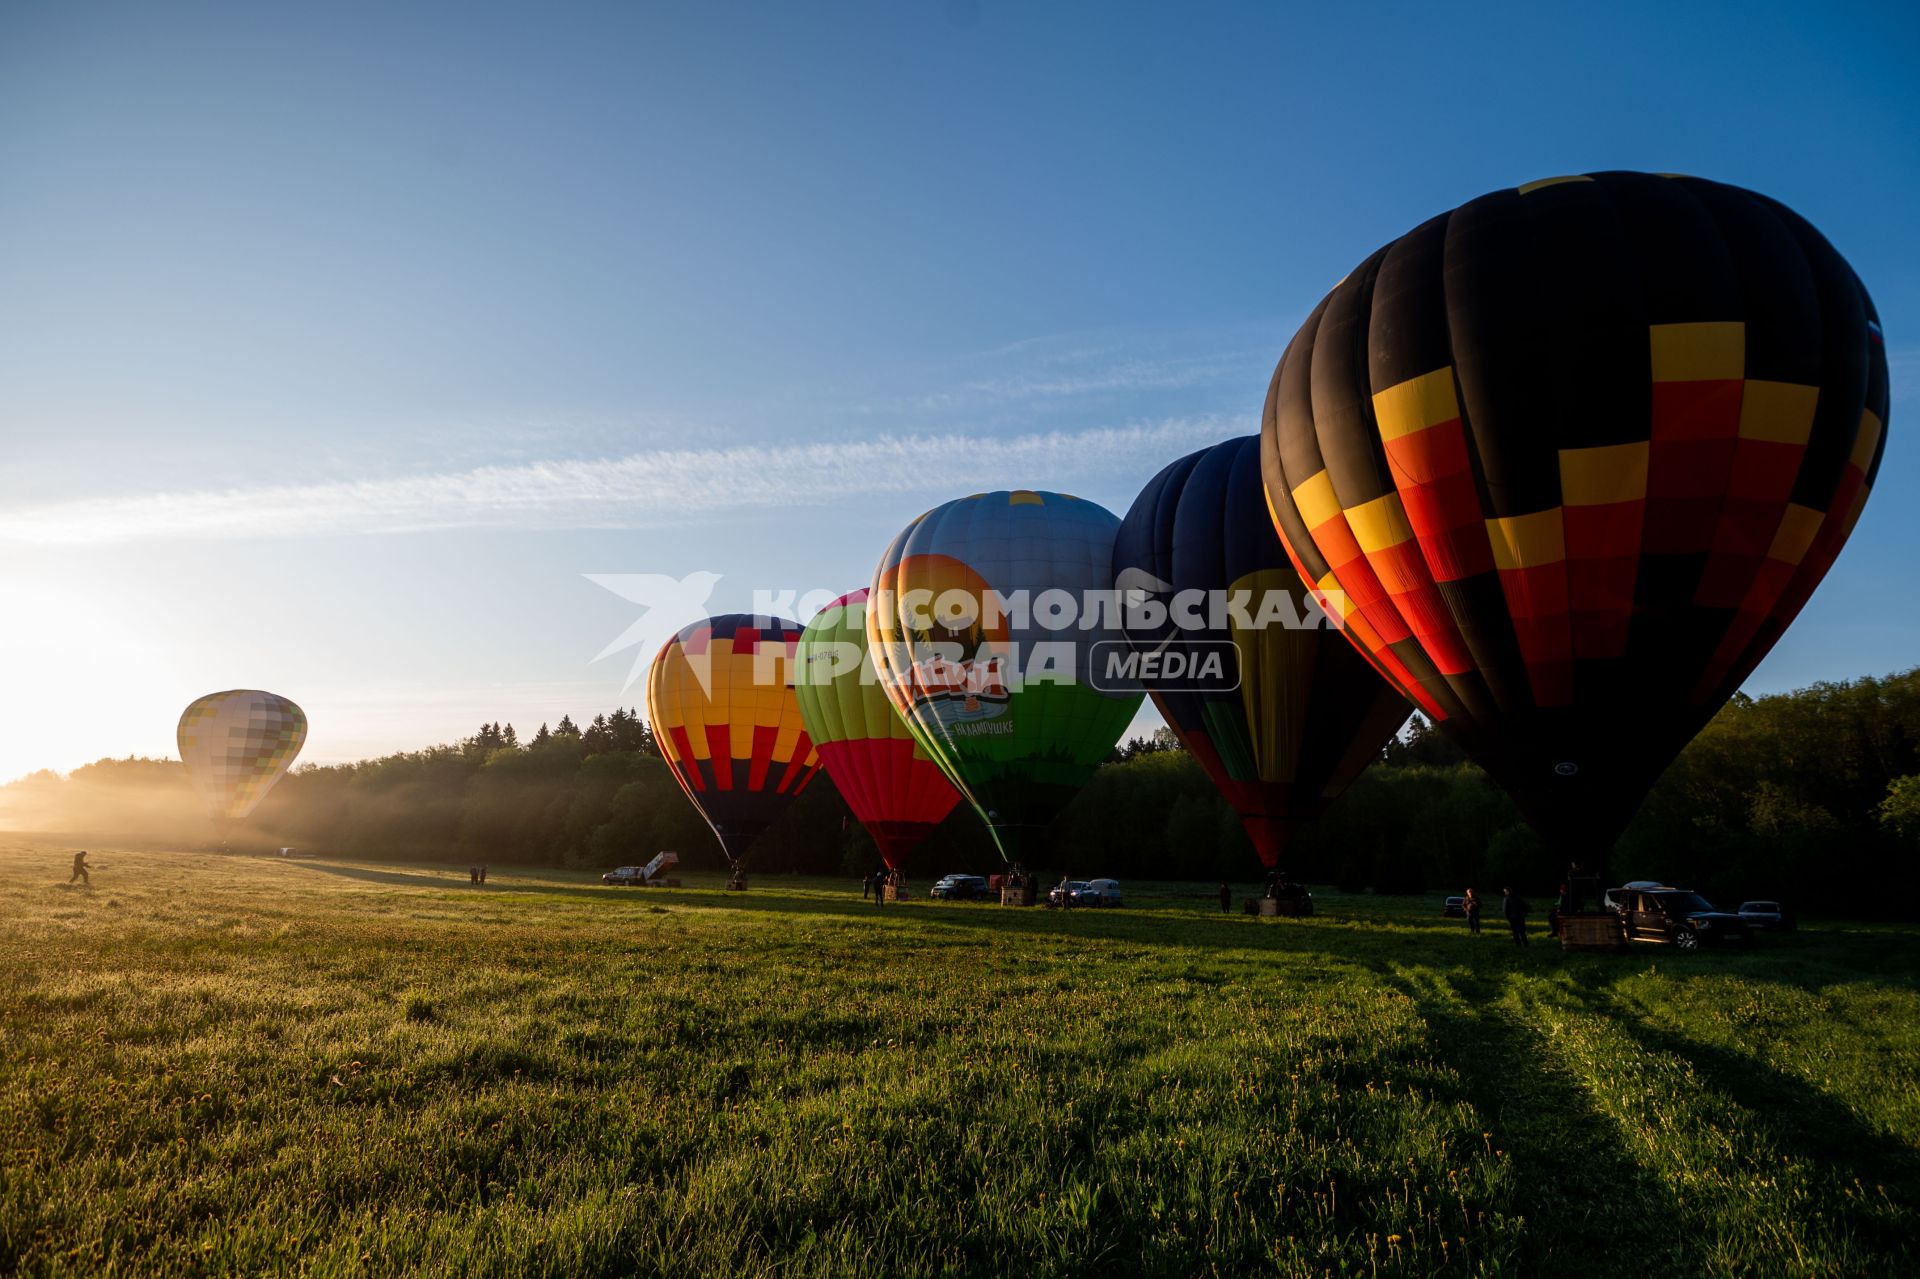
[214, 1065]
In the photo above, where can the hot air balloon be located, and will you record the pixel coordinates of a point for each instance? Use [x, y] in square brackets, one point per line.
[888, 780]
[1290, 713]
[980, 629]
[720, 696]
[1573, 456]
[237, 744]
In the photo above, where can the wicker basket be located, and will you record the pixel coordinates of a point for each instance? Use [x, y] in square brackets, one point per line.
[1601, 930]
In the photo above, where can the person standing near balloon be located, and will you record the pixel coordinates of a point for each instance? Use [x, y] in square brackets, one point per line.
[1472, 905]
[1515, 908]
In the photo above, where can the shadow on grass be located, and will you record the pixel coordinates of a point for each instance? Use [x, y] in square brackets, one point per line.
[1793, 1116]
[1210, 929]
[1573, 1183]
[1346, 933]
[398, 878]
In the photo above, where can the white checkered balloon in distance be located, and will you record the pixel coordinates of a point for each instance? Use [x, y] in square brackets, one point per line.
[237, 744]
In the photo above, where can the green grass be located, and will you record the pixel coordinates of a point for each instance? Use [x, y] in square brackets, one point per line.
[214, 1065]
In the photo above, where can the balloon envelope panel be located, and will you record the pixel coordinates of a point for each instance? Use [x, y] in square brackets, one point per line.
[720, 697]
[1574, 455]
[888, 780]
[1297, 712]
[237, 744]
[1001, 701]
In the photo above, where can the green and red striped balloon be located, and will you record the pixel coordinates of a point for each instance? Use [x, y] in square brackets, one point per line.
[888, 780]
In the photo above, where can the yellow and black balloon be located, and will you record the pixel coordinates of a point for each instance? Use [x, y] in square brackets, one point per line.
[1571, 458]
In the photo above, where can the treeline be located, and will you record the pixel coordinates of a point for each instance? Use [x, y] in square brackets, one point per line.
[1812, 795]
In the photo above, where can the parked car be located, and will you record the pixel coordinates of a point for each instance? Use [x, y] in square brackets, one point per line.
[1100, 892]
[629, 876]
[1618, 899]
[1676, 916]
[1454, 908]
[1067, 894]
[1768, 917]
[960, 888]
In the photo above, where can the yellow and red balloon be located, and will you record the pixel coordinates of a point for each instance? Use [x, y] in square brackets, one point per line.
[721, 700]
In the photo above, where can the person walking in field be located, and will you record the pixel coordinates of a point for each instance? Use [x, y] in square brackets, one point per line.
[1515, 908]
[483, 874]
[1473, 912]
[80, 869]
[1226, 899]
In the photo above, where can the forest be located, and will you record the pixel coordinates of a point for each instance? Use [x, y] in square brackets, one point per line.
[1812, 795]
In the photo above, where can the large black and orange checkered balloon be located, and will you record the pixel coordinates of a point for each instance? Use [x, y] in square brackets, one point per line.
[1570, 458]
[720, 696]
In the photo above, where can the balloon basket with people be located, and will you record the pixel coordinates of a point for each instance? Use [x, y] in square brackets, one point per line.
[1283, 898]
[1577, 927]
[1016, 886]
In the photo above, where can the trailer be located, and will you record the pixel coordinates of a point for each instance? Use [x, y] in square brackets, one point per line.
[652, 875]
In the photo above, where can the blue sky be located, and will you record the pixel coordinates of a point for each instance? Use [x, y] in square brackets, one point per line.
[337, 346]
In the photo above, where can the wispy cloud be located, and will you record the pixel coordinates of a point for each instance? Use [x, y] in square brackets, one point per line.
[1069, 373]
[1903, 374]
[1066, 381]
[642, 490]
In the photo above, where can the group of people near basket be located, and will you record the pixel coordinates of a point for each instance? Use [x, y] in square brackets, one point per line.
[1516, 908]
[876, 885]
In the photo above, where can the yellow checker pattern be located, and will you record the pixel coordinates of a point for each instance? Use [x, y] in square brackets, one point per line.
[1528, 541]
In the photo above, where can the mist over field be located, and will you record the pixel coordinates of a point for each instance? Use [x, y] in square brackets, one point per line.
[1806, 796]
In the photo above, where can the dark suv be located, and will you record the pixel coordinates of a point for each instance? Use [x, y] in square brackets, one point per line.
[1676, 915]
[960, 888]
